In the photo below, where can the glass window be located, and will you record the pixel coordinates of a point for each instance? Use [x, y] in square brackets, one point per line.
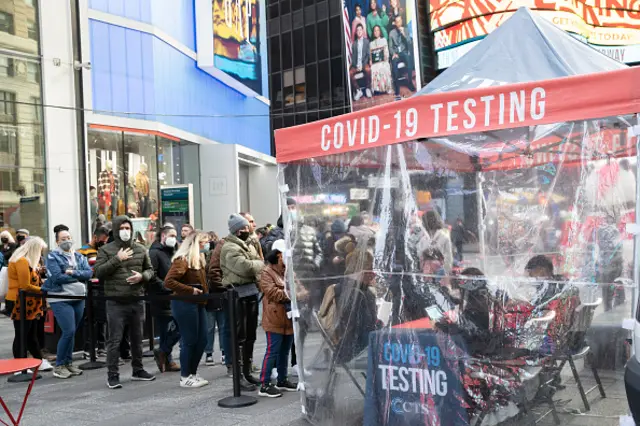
[336, 40]
[288, 88]
[298, 48]
[311, 75]
[285, 7]
[310, 43]
[8, 141]
[274, 54]
[37, 108]
[106, 174]
[325, 89]
[169, 164]
[7, 107]
[323, 46]
[141, 184]
[6, 22]
[276, 91]
[6, 66]
[32, 30]
[337, 81]
[33, 72]
[286, 51]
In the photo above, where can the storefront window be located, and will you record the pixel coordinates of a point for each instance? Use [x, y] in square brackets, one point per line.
[142, 183]
[22, 159]
[169, 162]
[106, 176]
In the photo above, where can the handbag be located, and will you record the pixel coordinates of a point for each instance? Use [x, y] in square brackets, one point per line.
[4, 282]
[246, 290]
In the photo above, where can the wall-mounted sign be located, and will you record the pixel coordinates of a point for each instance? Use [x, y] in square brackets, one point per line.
[382, 182]
[176, 205]
[357, 194]
[231, 43]
[321, 199]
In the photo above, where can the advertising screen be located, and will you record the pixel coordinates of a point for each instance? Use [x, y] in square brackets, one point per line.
[611, 26]
[236, 41]
[381, 47]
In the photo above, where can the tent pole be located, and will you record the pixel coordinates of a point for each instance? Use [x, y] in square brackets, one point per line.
[481, 226]
[636, 236]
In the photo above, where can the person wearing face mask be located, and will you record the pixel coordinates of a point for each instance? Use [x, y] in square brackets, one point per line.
[90, 252]
[7, 249]
[67, 273]
[160, 253]
[22, 235]
[241, 265]
[124, 267]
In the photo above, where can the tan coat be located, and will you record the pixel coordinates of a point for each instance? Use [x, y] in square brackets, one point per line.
[274, 314]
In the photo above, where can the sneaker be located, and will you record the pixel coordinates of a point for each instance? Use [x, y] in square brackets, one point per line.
[120, 361]
[113, 382]
[295, 371]
[191, 382]
[208, 361]
[101, 353]
[222, 359]
[142, 376]
[274, 374]
[17, 373]
[61, 372]
[252, 380]
[358, 95]
[368, 92]
[230, 371]
[269, 392]
[46, 365]
[200, 379]
[246, 386]
[286, 386]
[75, 371]
[86, 355]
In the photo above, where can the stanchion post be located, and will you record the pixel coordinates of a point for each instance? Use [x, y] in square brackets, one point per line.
[148, 325]
[237, 400]
[93, 363]
[23, 377]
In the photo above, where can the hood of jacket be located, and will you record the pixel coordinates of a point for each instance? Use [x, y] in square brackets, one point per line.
[361, 233]
[117, 222]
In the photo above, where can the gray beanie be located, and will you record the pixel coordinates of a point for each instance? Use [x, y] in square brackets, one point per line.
[236, 223]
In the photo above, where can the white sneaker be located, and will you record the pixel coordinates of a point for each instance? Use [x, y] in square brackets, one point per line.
[17, 373]
[200, 379]
[295, 371]
[358, 95]
[274, 374]
[191, 382]
[369, 94]
[46, 366]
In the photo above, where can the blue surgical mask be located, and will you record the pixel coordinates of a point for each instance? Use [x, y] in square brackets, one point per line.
[294, 216]
[206, 248]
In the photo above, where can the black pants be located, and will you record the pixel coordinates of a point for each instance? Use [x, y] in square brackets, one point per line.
[459, 248]
[397, 72]
[246, 326]
[294, 359]
[120, 315]
[30, 339]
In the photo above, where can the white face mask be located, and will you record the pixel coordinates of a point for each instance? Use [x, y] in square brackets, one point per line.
[125, 235]
[170, 242]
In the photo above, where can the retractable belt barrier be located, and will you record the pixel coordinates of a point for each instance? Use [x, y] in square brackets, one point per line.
[236, 401]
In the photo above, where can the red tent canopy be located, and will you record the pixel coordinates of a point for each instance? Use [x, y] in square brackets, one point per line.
[440, 115]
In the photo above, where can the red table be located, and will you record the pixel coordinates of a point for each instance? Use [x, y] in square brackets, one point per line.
[10, 366]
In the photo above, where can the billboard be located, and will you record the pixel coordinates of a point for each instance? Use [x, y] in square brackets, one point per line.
[231, 43]
[381, 48]
[611, 26]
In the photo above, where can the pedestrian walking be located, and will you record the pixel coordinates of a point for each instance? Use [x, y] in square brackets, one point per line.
[276, 324]
[241, 265]
[24, 274]
[160, 253]
[124, 267]
[67, 274]
[187, 276]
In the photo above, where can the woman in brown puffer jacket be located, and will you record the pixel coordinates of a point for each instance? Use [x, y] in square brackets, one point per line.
[275, 322]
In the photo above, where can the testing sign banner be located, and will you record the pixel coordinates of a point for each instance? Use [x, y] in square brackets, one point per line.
[414, 378]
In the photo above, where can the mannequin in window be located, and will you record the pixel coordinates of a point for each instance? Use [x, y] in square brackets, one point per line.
[132, 197]
[143, 187]
[109, 190]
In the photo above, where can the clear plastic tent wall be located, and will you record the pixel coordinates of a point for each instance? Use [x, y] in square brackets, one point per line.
[444, 272]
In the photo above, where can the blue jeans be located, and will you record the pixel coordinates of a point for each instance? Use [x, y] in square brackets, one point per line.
[278, 348]
[219, 318]
[68, 316]
[168, 333]
[192, 322]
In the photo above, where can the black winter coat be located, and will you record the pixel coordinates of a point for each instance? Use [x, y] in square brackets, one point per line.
[160, 257]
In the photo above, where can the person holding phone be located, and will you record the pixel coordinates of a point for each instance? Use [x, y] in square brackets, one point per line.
[124, 267]
[187, 276]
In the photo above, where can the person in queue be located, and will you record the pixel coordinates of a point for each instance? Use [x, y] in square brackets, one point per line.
[24, 274]
[541, 268]
[436, 237]
[160, 254]
[276, 324]
[187, 276]
[253, 237]
[185, 230]
[21, 236]
[218, 315]
[67, 274]
[241, 266]
[90, 252]
[8, 247]
[124, 267]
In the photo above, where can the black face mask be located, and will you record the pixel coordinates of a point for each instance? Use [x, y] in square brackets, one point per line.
[5, 240]
[244, 235]
[20, 238]
[99, 244]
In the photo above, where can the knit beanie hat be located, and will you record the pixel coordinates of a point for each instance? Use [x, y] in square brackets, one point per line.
[236, 223]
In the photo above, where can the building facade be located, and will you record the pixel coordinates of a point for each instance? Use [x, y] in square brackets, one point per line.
[104, 102]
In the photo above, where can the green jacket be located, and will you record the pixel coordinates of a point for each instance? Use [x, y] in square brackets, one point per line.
[114, 273]
[382, 20]
[240, 262]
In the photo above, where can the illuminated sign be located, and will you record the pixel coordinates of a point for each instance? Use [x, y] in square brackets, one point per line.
[321, 199]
